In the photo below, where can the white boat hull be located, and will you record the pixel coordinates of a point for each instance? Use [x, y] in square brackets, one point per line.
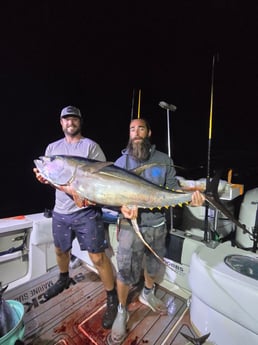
[224, 301]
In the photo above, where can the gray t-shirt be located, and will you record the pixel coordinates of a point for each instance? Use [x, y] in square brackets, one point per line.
[85, 147]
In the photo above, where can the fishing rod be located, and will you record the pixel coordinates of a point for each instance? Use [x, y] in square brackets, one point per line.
[139, 104]
[132, 108]
[210, 119]
[206, 222]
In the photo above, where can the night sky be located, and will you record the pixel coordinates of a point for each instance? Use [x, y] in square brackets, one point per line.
[97, 55]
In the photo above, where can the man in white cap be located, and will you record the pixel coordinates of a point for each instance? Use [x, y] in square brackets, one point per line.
[70, 221]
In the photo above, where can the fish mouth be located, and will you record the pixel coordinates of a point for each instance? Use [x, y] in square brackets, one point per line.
[54, 170]
[38, 163]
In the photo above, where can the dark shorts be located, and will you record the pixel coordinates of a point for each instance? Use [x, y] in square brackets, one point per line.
[131, 251]
[87, 225]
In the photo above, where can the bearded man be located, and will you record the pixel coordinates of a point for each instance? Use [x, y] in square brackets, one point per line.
[158, 168]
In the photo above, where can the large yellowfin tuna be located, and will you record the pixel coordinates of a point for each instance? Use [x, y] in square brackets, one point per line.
[105, 184]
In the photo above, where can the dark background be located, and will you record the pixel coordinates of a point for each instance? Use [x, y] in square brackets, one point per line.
[96, 55]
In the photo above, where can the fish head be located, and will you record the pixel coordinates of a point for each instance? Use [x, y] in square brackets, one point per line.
[55, 169]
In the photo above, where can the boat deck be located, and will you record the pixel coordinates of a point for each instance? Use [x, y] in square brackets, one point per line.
[74, 316]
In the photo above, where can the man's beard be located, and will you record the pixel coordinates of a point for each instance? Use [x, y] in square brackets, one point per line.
[139, 150]
[74, 132]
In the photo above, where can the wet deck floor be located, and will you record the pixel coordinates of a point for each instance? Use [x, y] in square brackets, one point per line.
[74, 316]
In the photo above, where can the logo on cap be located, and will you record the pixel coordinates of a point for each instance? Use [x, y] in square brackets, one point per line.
[70, 111]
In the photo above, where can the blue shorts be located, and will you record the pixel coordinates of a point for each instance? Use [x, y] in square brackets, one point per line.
[86, 225]
[131, 251]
